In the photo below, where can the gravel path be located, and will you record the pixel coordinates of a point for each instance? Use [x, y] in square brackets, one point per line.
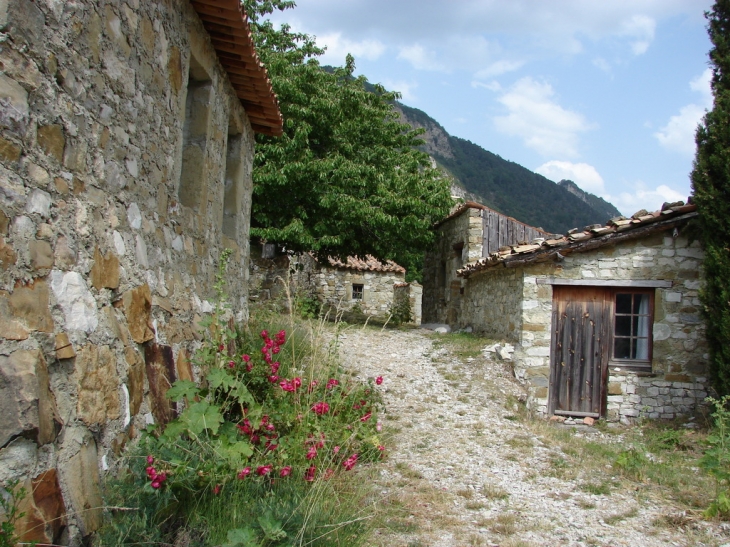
[463, 470]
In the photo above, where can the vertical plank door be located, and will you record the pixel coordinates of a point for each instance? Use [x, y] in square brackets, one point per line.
[580, 348]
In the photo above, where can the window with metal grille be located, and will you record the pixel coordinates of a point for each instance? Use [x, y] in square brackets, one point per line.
[357, 291]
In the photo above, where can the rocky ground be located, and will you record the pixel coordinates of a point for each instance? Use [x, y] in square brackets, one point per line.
[466, 467]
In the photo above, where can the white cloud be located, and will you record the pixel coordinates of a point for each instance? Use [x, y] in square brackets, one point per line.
[494, 85]
[338, 48]
[644, 198]
[544, 125]
[497, 69]
[406, 89]
[421, 59]
[678, 134]
[602, 64]
[639, 28]
[583, 174]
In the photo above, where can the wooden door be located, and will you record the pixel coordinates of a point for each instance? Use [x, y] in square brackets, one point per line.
[580, 351]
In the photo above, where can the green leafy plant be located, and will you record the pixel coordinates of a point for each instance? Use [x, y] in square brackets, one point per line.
[308, 307]
[10, 499]
[632, 462]
[273, 424]
[400, 310]
[716, 459]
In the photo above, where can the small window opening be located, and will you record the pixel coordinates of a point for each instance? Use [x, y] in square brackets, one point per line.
[357, 291]
[198, 105]
[632, 327]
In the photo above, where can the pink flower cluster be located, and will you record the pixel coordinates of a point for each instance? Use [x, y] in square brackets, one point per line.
[350, 462]
[156, 479]
[320, 408]
[265, 429]
[292, 385]
[272, 346]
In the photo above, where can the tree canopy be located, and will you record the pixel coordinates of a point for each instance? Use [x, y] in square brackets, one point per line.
[345, 179]
[711, 185]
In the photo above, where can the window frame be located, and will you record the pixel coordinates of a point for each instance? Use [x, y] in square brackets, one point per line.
[637, 365]
[360, 292]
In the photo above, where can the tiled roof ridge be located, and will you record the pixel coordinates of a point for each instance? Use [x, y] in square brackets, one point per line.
[474, 205]
[227, 25]
[369, 264]
[591, 237]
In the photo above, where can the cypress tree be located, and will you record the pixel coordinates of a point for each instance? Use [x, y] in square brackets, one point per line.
[711, 185]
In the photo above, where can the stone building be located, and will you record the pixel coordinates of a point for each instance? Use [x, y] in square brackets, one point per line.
[606, 322]
[472, 231]
[366, 284]
[126, 149]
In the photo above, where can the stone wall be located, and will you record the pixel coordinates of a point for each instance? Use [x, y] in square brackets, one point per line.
[492, 304]
[458, 241]
[125, 169]
[678, 380]
[333, 287]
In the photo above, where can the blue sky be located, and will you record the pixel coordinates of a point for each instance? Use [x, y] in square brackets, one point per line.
[607, 93]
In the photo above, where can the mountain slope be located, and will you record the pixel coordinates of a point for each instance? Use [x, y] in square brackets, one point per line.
[507, 186]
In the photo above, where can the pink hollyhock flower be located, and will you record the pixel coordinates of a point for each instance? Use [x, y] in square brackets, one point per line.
[366, 417]
[231, 364]
[255, 439]
[270, 446]
[162, 477]
[249, 367]
[275, 350]
[151, 472]
[275, 367]
[332, 383]
[320, 443]
[312, 385]
[243, 473]
[270, 427]
[328, 473]
[350, 462]
[379, 380]
[285, 471]
[273, 378]
[321, 408]
[310, 473]
[156, 484]
[269, 343]
[336, 449]
[286, 385]
[378, 427]
[246, 358]
[150, 459]
[281, 336]
[217, 489]
[311, 453]
[221, 347]
[264, 334]
[297, 382]
[263, 470]
[381, 448]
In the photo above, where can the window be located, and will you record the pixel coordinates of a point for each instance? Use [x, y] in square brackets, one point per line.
[632, 328]
[357, 291]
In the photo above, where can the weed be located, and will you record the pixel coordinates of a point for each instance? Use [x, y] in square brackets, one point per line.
[10, 499]
[466, 493]
[585, 504]
[494, 492]
[407, 471]
[602, 488]
[618, 517]
[716, 460]
[504, 524]
[633, 463]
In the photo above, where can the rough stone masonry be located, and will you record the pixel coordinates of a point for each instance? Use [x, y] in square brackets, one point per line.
[125, 169]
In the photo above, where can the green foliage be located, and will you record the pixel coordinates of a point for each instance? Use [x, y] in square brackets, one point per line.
[273, 425]
[632, 462]
[711, 185]
[716, 459]
[308, 307]
[345, 178]
[10, 499]
[400, 311]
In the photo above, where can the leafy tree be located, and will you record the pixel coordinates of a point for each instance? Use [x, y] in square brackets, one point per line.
[711, 184]
[345, 178]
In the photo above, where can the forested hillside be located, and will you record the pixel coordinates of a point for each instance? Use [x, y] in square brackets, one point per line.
[507, 186]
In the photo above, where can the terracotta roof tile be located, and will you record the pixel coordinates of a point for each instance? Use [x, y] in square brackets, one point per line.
[368, 264]
[229, 31]
[617, 229]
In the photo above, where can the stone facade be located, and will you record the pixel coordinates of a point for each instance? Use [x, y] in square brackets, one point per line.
[275, 275]
[515, 304]
[125, 169]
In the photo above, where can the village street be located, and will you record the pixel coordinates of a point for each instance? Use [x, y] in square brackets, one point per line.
[465, 466]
